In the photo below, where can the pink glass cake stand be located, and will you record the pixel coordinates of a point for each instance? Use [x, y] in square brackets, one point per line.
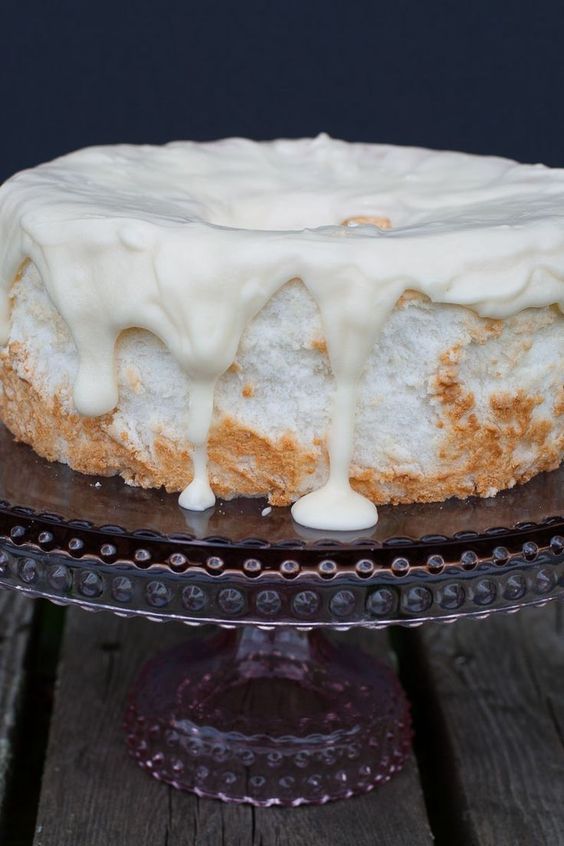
[270, 710]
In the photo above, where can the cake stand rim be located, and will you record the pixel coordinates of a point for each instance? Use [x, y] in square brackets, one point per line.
[308, 601]
[375, 625]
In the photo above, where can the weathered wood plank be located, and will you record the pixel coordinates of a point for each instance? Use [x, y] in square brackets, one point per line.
[494, 713]
[93, 794]
[16, 614]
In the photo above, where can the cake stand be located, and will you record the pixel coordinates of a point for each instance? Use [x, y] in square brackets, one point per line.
[269, 709]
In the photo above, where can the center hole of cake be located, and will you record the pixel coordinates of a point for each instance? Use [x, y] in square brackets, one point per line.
[378, 220]
[290, 213]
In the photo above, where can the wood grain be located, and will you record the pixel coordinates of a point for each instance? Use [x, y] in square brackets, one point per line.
[16, 614]
[93, 794]
[494, 710]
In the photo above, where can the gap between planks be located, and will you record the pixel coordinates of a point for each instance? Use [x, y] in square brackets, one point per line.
[28, 659]
[16, 613]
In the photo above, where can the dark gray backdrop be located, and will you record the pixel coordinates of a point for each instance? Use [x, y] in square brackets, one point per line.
[481, 76]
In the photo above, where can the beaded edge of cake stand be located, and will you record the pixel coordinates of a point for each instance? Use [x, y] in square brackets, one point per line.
[402, 582]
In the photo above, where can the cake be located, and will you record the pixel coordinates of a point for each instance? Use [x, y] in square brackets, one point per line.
[328, 324]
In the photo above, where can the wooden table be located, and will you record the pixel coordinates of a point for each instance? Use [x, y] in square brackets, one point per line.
[487, 769]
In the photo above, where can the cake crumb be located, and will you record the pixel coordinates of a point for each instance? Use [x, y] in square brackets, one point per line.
[248, 390]
[266, 511]
[319, 344]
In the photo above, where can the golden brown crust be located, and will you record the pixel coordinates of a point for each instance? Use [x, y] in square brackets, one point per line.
[478, 456]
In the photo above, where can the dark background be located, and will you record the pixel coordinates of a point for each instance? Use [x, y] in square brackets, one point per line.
[483, 77]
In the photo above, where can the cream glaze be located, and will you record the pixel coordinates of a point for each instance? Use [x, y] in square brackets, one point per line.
[189, 241]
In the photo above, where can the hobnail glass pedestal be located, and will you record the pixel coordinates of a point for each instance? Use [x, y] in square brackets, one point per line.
[271, 708]
[268, 717]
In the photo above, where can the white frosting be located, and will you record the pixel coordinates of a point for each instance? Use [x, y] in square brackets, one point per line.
[189, 241]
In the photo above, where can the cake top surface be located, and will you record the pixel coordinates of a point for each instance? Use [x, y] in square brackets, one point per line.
[296, 185]
[190, 241]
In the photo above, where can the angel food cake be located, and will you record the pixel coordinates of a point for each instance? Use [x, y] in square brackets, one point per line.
[327, 324]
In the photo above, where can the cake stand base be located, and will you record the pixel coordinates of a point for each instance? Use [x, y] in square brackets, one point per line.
[279, 717]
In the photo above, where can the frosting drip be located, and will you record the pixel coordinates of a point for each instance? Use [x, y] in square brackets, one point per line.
[190, 241]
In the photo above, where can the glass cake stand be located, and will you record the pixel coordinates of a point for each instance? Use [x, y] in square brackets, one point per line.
[270, 710]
